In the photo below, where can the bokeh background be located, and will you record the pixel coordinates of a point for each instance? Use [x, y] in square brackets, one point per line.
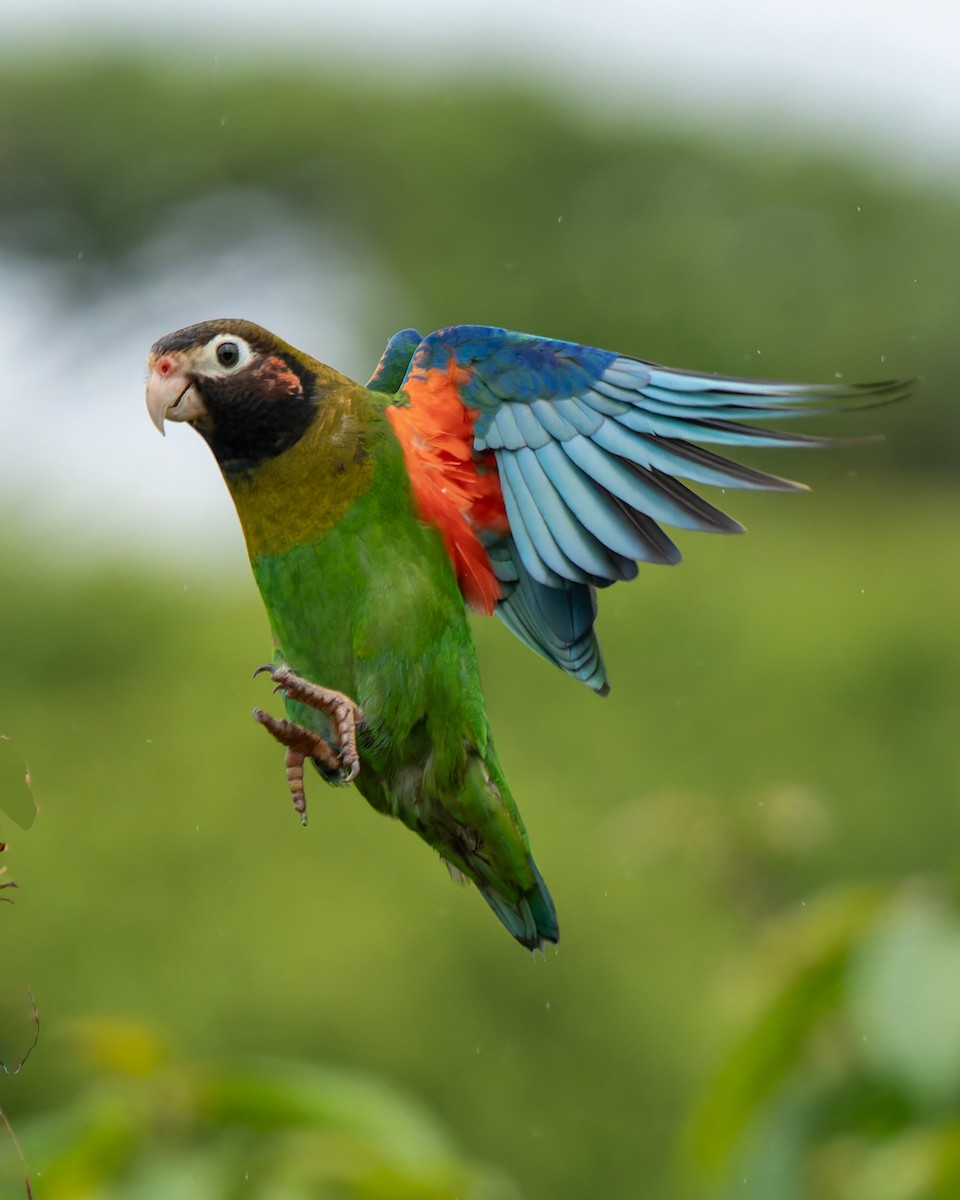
[752, 842]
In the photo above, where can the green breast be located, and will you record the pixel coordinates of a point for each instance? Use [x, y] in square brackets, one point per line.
[360, 593]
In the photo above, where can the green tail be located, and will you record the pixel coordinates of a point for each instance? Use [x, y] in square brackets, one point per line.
[530, 917]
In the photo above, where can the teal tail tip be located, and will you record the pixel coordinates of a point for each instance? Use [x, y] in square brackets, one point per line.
[532, 918]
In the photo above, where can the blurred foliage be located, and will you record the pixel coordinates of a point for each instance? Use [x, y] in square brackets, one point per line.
[773, 780]
[483, 202]
[849, 1074]
[148, 1126]
[779, 727]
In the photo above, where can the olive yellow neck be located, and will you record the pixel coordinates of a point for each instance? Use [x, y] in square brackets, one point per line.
[296, 497]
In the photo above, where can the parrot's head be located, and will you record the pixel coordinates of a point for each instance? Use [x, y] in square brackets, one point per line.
[248, 393]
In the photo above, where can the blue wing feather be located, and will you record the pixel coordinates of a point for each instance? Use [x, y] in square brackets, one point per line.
[678, 458]
[529, 427]
[575, 534]
[551, 420]
[538, 547]
[556, 622]
[591, 447]
[656, 494]
[584, 420]
[594, 506]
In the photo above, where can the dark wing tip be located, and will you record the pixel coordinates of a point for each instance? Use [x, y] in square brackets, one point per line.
[879, 394]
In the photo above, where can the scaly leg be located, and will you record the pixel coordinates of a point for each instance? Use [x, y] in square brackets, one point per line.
[302, 743]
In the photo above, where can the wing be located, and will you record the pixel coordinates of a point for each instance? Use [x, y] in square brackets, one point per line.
[568, 461]
[394, 361]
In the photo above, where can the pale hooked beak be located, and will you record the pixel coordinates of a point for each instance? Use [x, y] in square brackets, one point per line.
[171, 396]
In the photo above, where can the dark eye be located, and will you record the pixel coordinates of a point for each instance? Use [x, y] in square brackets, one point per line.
[228, 354]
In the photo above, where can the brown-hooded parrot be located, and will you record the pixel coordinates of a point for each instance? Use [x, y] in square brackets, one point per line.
[478, 469]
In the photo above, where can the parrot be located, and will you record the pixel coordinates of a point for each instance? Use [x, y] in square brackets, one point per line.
[478, 470]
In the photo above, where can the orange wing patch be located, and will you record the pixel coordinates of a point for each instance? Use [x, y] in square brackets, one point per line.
[455, 489]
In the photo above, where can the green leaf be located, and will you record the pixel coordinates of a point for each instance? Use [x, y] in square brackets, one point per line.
[16, 794]
[905, 998]
[811, 952]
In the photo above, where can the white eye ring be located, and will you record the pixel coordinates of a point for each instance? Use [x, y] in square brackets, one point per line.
[228, 353]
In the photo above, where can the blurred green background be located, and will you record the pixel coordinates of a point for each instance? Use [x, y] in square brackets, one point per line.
[752, 843]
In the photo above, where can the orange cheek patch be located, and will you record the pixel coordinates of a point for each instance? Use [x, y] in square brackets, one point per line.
[279, 379]
[455, 490]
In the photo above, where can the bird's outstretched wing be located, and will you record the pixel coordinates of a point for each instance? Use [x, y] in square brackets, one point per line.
[550, 468]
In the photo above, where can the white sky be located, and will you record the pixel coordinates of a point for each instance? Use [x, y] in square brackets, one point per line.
[880, 76]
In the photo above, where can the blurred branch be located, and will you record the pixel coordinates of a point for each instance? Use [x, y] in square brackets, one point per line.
[20, 1154]
[7, 1070]
[8, 883]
